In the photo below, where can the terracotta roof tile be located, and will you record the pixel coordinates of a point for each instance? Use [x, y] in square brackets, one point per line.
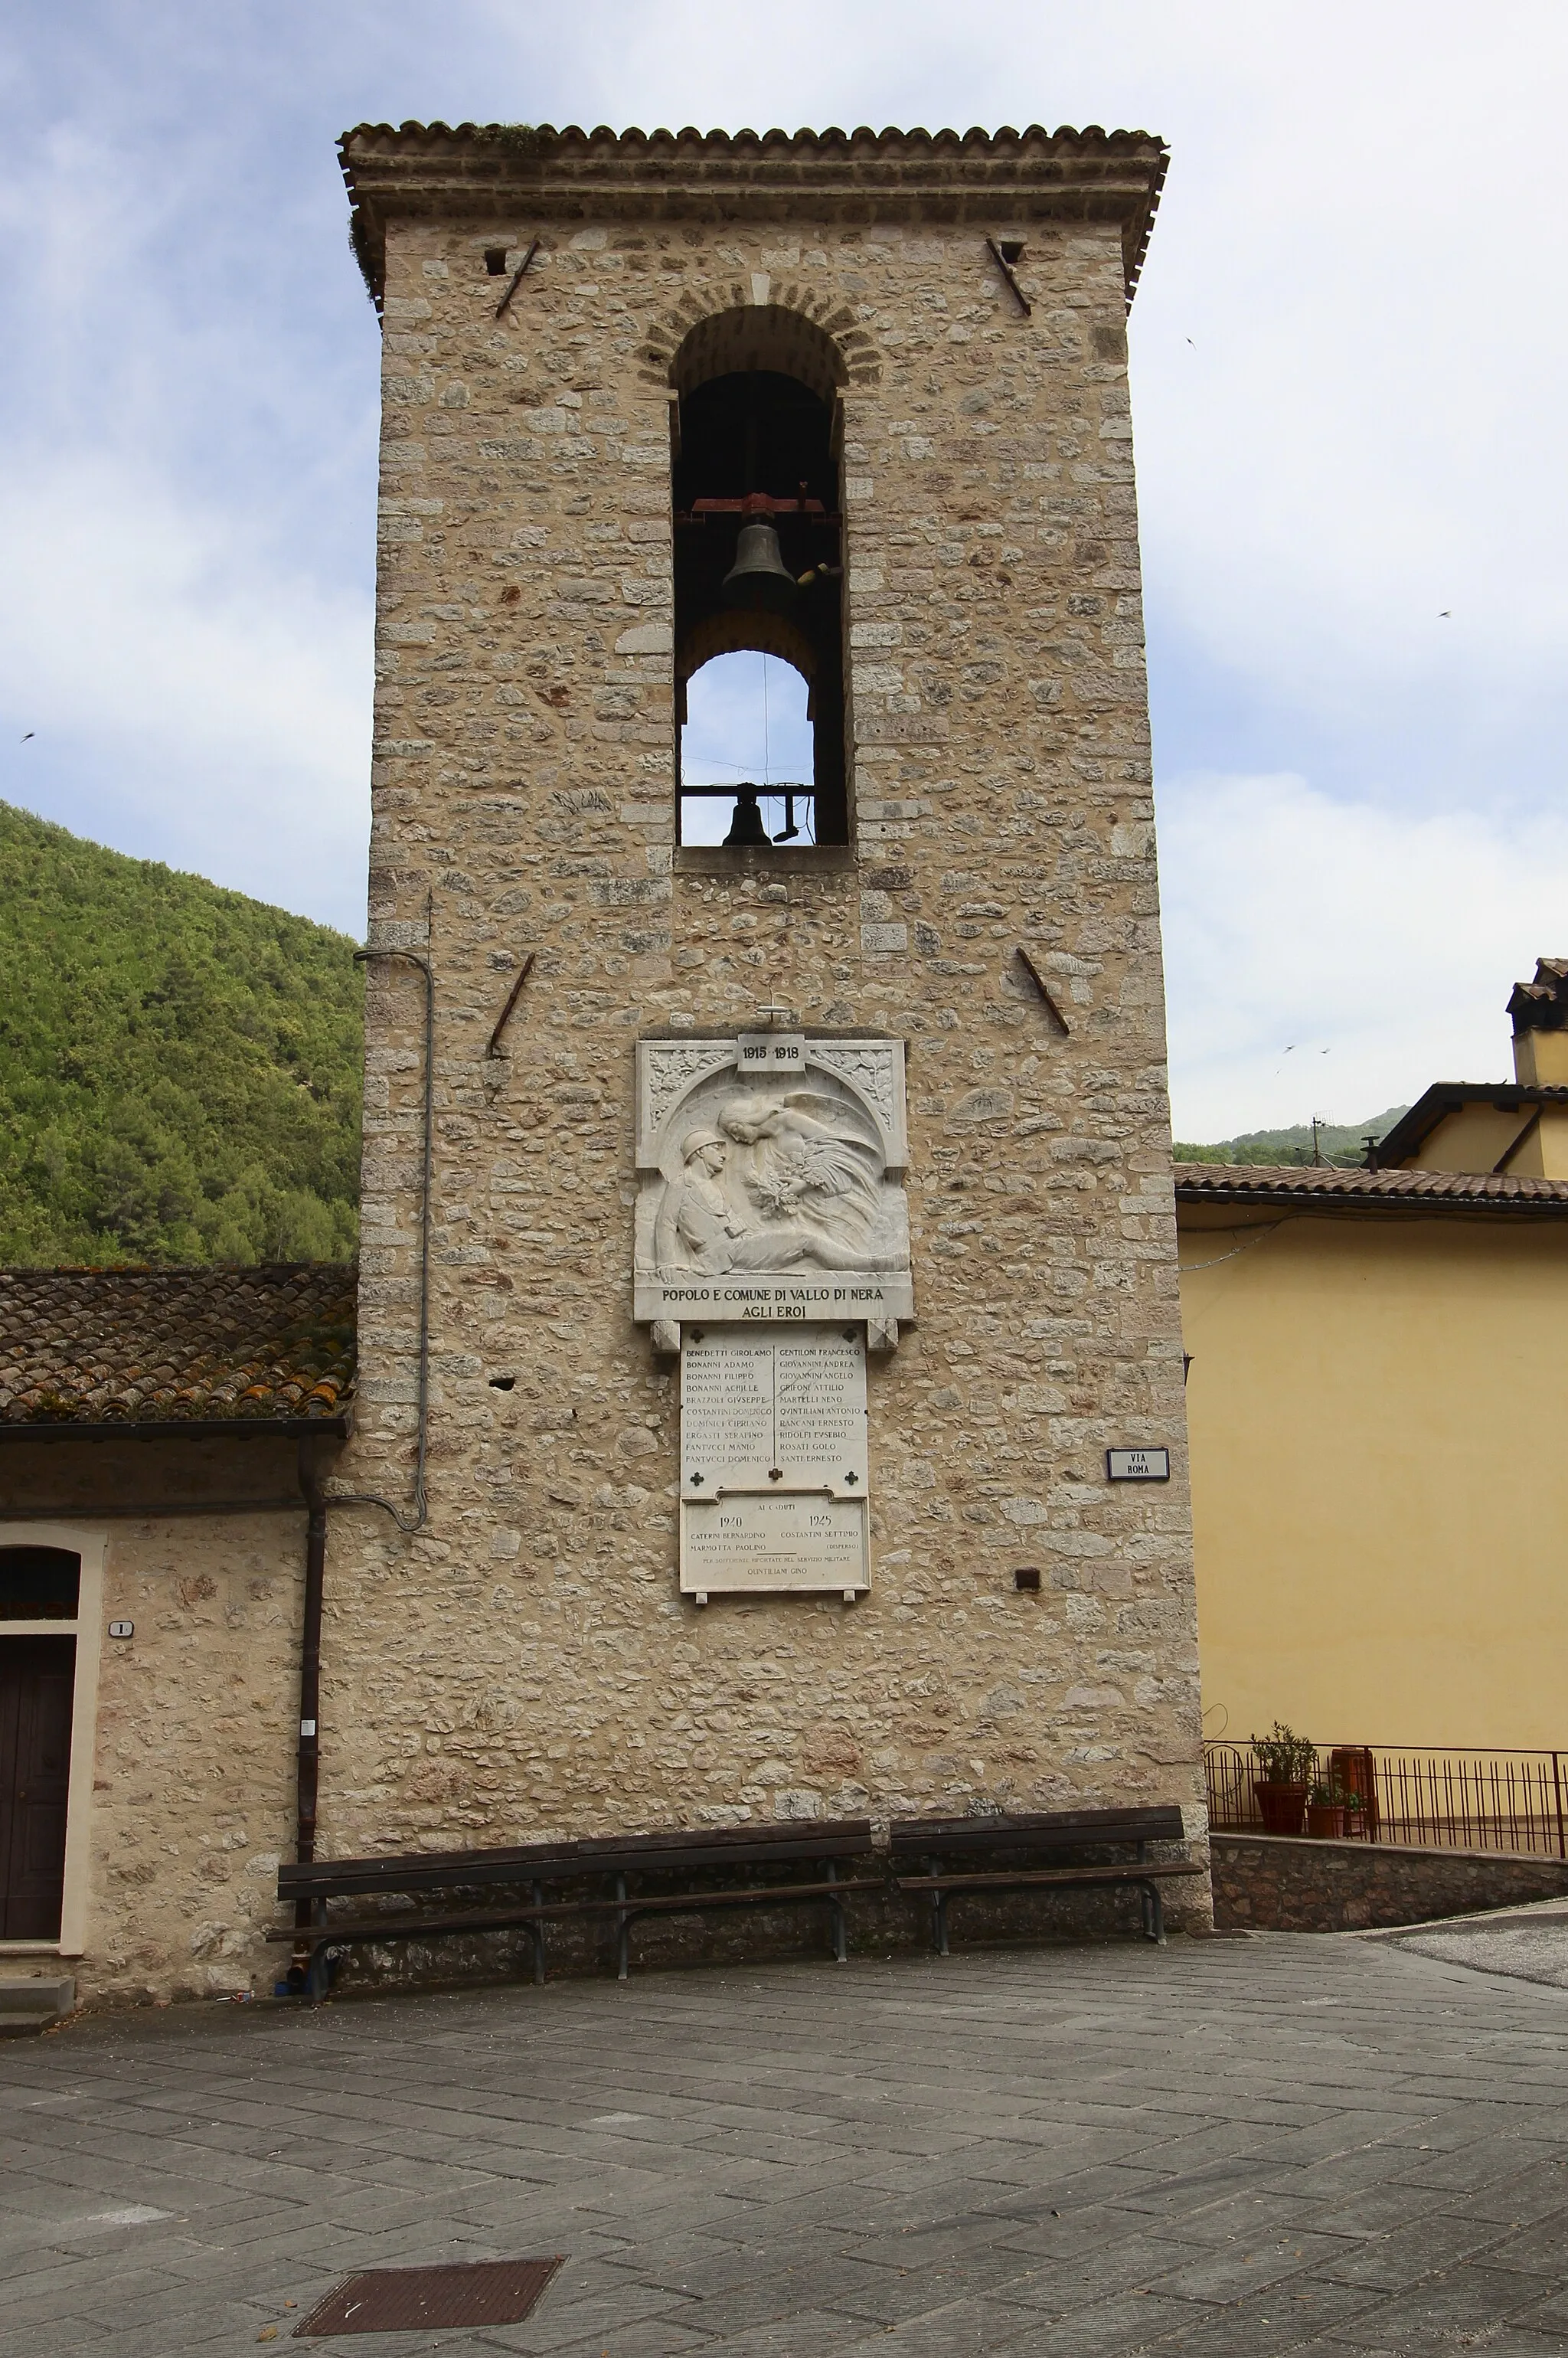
[175, 1345]
[1245, 1182]
[486, 171]
[1541, 1005]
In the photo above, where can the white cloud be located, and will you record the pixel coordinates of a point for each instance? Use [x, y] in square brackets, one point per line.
[745, 723]
[1349, 352]
[1377, 948]
[147, 645]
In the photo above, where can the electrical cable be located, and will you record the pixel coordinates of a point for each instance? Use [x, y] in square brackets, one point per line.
[1186, 1268]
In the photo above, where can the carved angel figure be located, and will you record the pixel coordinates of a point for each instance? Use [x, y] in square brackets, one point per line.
[804, 1165]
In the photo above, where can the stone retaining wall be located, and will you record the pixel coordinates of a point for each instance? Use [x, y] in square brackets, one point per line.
[1275, 1884]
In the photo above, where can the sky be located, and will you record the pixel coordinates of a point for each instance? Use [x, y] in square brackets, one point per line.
[1349, 352]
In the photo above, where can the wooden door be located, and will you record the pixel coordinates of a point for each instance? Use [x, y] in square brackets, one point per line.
[38, 1680]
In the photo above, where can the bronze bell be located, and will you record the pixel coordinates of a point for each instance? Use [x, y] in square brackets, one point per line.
[759, 576]
[746, 827]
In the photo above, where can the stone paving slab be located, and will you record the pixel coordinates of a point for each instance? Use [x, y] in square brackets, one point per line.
[1292, 2143]
[1528, 1943]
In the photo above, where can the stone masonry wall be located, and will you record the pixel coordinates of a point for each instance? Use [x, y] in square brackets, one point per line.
[1277, 1884]
[524, 1666]
[193, 1793]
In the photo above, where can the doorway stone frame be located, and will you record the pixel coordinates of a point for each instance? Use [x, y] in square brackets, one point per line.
[87, 1629]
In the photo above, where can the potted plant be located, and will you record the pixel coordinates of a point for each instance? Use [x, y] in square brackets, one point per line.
[1287, 1762]
[1330, 1808]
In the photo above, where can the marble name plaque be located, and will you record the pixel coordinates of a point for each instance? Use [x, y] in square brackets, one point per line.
[774, 1459]
[793, 1541]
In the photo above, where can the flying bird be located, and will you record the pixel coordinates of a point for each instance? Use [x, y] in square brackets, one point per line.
[30, 733]
[1447, 615]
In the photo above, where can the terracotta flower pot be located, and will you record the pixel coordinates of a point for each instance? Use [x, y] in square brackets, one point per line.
[1325, 1821]
[1283, 1808]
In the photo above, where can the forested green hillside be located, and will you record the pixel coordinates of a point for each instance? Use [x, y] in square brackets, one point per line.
[1335, 1142]
[180, 1066]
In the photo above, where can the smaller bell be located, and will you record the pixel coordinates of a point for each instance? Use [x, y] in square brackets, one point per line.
[759, 576]
[746, 827]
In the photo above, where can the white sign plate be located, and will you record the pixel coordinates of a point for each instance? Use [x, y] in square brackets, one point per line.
[1137, 1464]
[774, 1462]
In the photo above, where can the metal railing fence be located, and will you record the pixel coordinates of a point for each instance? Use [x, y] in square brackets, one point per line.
[1452, 1797]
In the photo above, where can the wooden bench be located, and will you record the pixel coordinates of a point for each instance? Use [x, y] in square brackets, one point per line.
[1058, 1836]
[825, 1844]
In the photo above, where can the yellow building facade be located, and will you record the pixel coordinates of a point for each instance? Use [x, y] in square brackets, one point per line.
[1380, 1487]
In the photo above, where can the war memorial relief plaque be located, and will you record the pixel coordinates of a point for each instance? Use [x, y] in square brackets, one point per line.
[773, 1460]
[770, 1172]
[772, 1248]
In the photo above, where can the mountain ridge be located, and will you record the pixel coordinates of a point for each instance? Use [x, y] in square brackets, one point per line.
[1343, 1145]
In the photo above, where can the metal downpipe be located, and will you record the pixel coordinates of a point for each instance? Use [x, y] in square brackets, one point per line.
[310, 1669]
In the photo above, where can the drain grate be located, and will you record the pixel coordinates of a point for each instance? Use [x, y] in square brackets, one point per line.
[471, 2292]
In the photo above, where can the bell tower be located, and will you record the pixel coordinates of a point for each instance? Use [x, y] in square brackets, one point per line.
[769, 1326]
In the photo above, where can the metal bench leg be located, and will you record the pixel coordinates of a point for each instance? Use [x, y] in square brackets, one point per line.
[623, 1963]
[315, 1978]
[1153, 1914]
[537, 1932]
[938, 1909]
[840, 1942]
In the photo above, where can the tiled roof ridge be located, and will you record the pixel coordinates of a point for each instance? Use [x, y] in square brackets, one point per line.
[1281, 1180]
[176, 1270]
[893, 138]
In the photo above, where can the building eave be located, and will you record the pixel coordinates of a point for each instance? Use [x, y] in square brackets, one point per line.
[1412, 1129]
[230, 1428]
[506, 174]
[1291, 1188]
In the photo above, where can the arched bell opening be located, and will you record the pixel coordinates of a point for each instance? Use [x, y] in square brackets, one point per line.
[746, 742]
[759, 541]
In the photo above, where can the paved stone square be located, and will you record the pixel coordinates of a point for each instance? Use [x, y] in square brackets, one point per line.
[1232, 2147]
[1529, 1942]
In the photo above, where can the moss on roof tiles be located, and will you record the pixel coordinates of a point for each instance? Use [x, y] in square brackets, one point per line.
[175, 1345]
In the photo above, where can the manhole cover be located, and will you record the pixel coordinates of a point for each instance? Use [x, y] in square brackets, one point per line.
[472, 2292]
